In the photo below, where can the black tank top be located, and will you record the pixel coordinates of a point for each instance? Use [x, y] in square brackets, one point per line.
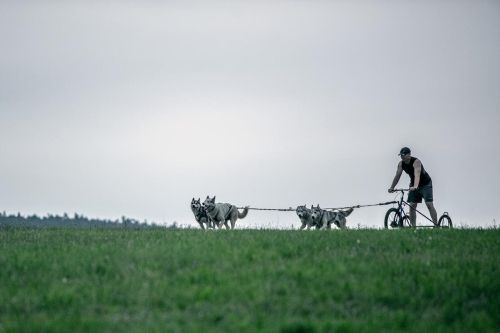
[410, 170]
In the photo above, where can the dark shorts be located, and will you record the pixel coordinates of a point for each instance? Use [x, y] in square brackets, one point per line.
[422, 192]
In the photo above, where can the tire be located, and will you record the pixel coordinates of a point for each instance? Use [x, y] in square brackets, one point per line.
[406, 221]
[445, 221]
[392, 215]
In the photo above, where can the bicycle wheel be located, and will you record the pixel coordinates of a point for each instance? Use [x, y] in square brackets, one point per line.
[392, 219]
[406, 221]
[445, 221]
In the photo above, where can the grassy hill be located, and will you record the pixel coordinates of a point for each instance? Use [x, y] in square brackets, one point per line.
[103, 280]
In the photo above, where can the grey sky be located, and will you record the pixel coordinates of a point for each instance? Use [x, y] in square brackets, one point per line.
[134, 107]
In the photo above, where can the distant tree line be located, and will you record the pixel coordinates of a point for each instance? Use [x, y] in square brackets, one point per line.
[75, 221]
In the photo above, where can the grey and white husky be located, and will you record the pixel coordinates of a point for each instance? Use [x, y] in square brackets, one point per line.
[325, 218]
[305, 217]
[200, 214]
[220, 213]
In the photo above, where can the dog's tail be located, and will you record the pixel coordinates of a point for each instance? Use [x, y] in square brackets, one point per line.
[347, 212]
[244, 213]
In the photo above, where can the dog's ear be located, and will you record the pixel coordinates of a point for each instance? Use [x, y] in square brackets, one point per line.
[213, 199]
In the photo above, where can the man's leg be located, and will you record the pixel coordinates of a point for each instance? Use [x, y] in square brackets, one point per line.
[432, 211]
[413, 214]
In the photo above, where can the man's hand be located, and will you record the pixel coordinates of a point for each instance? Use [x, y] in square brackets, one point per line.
[413, 188]
[391, 190]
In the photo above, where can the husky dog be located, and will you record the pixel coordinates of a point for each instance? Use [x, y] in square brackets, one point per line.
[200, 214]
[220, 213]
[305, 217]
[325, 218]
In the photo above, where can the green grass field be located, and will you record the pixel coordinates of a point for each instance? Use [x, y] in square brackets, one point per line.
[71, 280]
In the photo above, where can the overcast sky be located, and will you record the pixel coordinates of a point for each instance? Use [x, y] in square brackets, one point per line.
[111, 108]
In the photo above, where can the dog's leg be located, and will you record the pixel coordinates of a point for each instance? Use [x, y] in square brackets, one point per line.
[324, 225]
[340, 222]
[232, 217]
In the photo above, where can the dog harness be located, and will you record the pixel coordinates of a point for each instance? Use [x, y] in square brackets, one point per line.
[228, 212]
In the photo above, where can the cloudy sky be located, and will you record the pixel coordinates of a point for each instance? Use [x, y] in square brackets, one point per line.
[111, 108]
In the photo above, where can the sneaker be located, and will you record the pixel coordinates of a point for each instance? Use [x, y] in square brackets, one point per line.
[394, 224]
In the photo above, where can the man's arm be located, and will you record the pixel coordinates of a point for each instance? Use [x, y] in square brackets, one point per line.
[395, 181]
[417, 165]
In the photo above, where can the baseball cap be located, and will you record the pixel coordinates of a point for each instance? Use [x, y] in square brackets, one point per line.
[404, 151]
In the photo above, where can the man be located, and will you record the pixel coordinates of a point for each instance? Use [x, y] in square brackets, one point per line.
[420, 184]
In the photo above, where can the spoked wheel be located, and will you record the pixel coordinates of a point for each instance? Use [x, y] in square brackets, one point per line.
[406, 221]
[392, 219]
[445, 221]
